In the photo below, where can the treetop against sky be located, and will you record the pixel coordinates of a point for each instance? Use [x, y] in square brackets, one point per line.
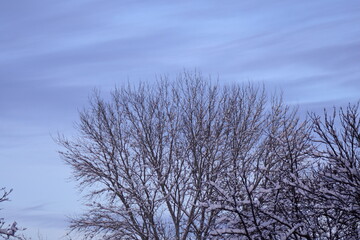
[54, 53]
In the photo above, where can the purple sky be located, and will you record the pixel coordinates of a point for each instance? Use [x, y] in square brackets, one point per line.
[53, 53]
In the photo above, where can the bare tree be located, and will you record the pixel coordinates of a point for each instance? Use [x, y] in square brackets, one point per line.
[146, 156]
[338, 178]
[259, 197]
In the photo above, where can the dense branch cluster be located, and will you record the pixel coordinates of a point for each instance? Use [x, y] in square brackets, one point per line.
[192, 160]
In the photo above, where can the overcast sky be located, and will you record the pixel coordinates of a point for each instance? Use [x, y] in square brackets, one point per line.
[53, 53]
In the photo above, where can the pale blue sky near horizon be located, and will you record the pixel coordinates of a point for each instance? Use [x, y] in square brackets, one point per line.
[53, 53]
